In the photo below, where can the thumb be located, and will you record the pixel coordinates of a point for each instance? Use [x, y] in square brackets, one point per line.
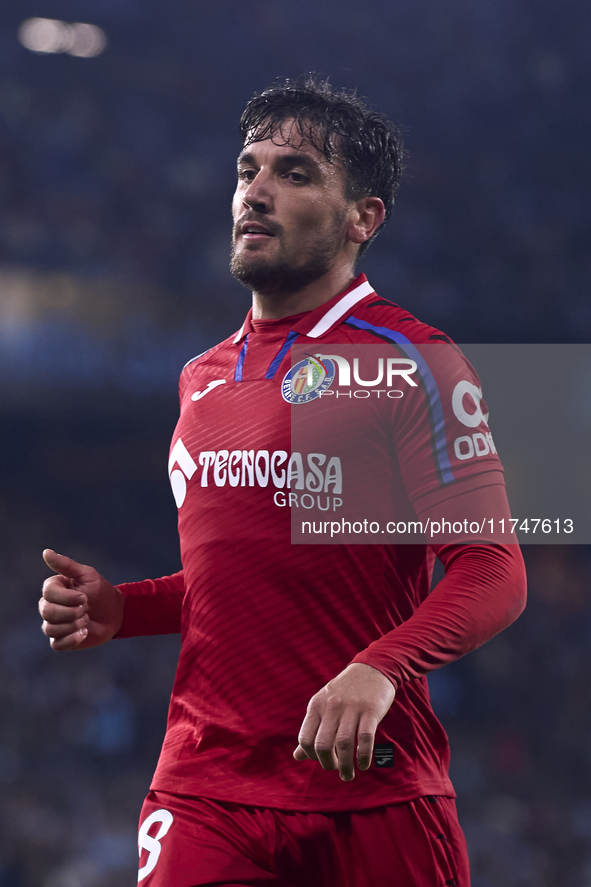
[59, 563]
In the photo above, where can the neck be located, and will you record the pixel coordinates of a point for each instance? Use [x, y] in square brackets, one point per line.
[274, 306]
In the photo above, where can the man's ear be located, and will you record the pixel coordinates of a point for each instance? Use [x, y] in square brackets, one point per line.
[369, 215]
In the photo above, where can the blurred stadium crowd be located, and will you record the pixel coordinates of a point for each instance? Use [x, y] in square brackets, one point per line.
[116, 175]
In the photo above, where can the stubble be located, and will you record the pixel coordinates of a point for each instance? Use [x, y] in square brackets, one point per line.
[285, 275]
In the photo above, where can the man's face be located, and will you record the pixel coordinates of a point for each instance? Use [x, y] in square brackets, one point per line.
[290, 215]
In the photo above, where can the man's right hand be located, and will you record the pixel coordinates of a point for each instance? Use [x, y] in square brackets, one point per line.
[79, 608]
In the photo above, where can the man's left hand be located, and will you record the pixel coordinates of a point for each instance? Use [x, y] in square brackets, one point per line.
[347, 709]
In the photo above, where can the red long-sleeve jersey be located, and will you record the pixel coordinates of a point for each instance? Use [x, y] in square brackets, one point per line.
[266, 623]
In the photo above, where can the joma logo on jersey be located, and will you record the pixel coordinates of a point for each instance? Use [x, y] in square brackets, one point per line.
[313, 377]
[314, 472]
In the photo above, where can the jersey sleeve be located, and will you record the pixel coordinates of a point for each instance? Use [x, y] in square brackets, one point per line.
[441, 435]
[451, 471]
[483, 591]
[152, 606]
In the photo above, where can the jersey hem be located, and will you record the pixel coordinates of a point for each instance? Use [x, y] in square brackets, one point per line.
[322, 804]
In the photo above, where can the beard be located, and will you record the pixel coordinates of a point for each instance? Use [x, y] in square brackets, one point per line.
[280, 274]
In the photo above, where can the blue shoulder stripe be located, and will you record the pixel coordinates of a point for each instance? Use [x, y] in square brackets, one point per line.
[276, 362]
[430, 387]
[196, 358]
[240, 361]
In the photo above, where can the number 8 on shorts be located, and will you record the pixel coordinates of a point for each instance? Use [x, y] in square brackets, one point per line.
[152, 844]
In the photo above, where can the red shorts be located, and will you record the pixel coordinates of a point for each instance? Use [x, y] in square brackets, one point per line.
[185, 842]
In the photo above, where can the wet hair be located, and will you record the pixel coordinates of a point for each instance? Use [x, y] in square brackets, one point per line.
[341, 126]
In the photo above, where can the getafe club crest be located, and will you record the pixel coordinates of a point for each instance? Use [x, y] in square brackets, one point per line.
[307, 379]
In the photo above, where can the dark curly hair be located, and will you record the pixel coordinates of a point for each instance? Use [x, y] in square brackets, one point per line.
[341, 126]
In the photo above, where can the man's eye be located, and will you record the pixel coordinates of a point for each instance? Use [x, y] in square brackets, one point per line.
[246, 175]
[297, 178]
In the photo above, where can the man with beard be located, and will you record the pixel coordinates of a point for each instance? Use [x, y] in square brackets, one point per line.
[333, 641]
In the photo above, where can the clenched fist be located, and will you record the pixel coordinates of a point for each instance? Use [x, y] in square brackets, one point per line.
[79, 608]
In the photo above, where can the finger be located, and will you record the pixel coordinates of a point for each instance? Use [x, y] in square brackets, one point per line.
[345, 748]
[307, 735]
[69, 642]
[62, 630]
[59, 563]
[57, 592]
[56, 613]
[300, 755]
[324, 744]
[368, 724]
[326, 755]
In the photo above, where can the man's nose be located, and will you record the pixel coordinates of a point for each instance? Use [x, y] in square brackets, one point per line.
[258, 194]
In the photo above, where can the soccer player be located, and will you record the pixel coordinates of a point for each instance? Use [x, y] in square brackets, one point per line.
[301, 664]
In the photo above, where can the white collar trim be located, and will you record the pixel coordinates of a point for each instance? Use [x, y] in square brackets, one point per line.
[239, 335]
[341, 307]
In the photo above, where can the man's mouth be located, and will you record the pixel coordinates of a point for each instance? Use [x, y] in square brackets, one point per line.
[253, 231]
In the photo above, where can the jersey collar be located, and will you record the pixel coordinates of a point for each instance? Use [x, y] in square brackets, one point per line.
[317, 323]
